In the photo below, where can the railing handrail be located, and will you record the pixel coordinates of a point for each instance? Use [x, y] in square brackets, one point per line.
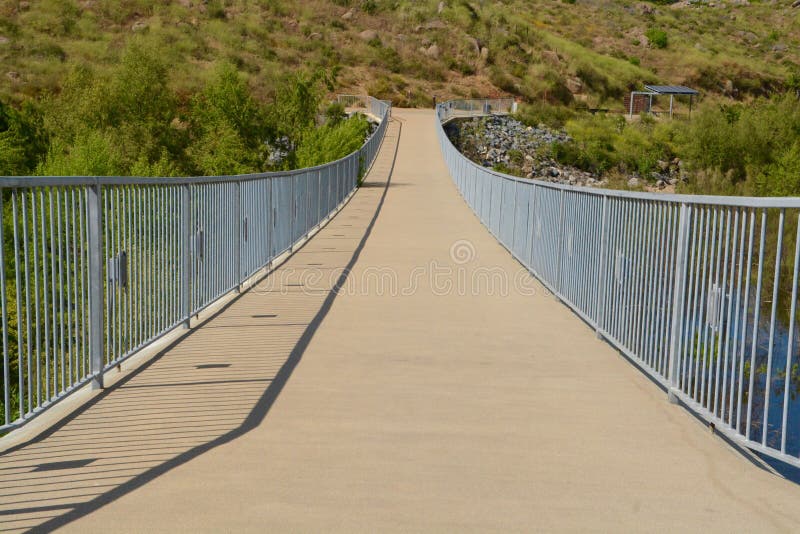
[742, 201]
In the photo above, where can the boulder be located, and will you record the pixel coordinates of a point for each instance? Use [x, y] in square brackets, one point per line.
[633, 182]
[368, 35]
[575, 85]
[433, 51]
[139, 26]
[349, 15]
[435, 25]
[729, 88]
[750, 37]
[551, 57]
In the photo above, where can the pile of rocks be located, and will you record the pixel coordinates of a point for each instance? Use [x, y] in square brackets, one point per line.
[668, 173]
[502, 141]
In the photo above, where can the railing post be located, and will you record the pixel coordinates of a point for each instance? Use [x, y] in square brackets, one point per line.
[513, 221]
[237, 209]
[186, 254]
[292, 210]
[678, 299]
[95, 224]
[560, 251]
[600, 293]
[535, 214]
[272, 223]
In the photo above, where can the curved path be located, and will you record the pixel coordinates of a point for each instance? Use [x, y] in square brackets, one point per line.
[400, 372]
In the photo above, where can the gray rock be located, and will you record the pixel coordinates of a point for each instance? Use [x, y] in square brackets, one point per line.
[575, 85]
[633, 182]
[440, 8]
[551, 57]
[433, 51]
[368, 35]
[349, 15]
[750, 37]
[435, 25]
[139, 26]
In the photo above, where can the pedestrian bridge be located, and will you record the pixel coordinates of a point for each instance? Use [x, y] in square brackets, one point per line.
[382, 361]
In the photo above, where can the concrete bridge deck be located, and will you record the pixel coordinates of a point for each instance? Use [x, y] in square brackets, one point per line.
[419, 396]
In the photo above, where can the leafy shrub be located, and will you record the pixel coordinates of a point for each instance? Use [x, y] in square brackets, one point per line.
[369, 6]
[227, 100]
[93, 153]
[23, 140]
[334, 114]
[657, 37]
[332, 141]
[608, 143]
[744, 143]
[781, 178]
[540, 112]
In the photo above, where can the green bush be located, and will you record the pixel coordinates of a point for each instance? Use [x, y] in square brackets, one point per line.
[92, 154]
[657, 37]
[781, 178]
[540, 112]
[332, 141]
[608, 143]
[229, 127]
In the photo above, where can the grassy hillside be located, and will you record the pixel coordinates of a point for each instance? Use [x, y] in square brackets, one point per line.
[220, 86]
[589, 50]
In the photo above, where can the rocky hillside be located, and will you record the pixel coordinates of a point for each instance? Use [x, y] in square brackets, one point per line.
[584, 51]
[507, 145]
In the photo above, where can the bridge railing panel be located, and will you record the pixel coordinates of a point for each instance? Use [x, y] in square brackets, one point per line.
[699, 291]
[93, 269]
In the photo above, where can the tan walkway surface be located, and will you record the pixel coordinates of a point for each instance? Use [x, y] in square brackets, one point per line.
[421, 396]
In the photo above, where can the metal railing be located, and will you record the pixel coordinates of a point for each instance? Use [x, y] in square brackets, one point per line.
[475, 107]
[699, 291]
[96, 268]
[371, 106]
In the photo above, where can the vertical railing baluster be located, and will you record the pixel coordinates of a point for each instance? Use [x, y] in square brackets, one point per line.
[678, 308]
[95, 224]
